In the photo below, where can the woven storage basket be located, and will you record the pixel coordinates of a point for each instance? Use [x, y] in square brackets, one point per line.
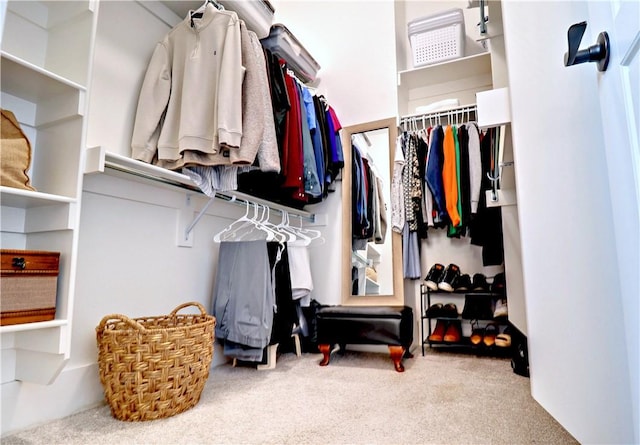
[154, 367]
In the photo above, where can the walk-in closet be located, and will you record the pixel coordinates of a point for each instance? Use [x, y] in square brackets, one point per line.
[266, 158]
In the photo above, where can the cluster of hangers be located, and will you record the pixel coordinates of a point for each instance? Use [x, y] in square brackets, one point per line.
[454, 116]
[258, 227]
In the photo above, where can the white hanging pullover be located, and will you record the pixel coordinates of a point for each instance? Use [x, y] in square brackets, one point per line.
[190, 104]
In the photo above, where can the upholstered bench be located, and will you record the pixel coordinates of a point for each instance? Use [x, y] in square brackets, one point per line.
[366, 325]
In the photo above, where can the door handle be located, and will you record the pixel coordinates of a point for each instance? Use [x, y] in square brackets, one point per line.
[599, 52]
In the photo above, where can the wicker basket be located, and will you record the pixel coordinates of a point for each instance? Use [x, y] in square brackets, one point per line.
[154, 367]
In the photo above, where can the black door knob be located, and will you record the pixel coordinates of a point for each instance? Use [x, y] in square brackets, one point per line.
[599, 52]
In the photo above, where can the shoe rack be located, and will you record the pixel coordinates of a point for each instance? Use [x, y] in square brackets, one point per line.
[453, 327]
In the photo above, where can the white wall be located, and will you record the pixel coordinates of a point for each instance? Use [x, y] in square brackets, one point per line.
[577, 349]
[354, 42]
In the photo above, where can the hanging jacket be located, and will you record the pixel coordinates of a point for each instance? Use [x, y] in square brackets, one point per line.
[190, 108]
[434, 173]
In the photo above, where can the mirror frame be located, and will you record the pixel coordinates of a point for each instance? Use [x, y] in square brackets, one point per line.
[397, 298]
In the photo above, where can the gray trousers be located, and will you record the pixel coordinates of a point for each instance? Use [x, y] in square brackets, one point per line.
[243, 294]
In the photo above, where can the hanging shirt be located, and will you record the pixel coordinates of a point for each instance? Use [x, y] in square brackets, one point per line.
[428, 197]
[294, 172]
[435, 163]
[397, 193]
[475, 165]
[190, 108]
[450, 177]
[311, 181]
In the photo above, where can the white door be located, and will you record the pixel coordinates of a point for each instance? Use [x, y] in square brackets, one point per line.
[619, 89]
[575, 138]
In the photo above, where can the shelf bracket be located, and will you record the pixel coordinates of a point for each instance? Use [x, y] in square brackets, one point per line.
[184, 237]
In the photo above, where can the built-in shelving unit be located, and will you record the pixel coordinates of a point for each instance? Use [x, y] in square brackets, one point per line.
[46, 58]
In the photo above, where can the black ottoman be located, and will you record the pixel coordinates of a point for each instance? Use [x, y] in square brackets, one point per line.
[366, 325]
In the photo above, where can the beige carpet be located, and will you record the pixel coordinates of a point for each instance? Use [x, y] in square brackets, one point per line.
[442, 398]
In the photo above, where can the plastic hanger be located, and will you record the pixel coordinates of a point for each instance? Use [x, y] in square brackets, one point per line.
[311, 233]
[300, 238]
[280, 236]
[242, 227]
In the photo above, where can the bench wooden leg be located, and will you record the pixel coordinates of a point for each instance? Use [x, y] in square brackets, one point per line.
[396, 353]
[326, 352]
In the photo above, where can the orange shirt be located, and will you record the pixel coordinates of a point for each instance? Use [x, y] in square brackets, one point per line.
[450, 176]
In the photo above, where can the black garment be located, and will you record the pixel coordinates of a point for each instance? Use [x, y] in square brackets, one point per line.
[280, 101]
[321, 117]
[465, 180]
[422, 150]
[286, 314]
[486, 227]
[359, 221]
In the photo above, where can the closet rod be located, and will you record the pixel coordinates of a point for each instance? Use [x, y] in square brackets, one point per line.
[461, 110]
[238, 198]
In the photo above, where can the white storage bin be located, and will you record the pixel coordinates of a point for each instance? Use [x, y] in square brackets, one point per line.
[437, 37]
[285, 45]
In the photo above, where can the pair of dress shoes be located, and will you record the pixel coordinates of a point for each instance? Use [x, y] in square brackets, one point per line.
[448, 310]
[447, 331]
[490, 336]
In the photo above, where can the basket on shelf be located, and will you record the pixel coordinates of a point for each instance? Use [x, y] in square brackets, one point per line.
[437, 38]
[154, 367]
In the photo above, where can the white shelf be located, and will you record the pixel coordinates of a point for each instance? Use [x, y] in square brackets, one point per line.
[51, 35]
[33, 326]
[449, 71]
[372, 287]
[26, 199]
[458, 79]
[31, 82]
[98, 160]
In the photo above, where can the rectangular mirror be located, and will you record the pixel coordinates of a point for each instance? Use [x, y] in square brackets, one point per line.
[371, 251]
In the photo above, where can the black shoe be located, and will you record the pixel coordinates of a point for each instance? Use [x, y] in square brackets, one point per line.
[480, 283]
[448, 282]
[498, 286]
[449, 310]
[463, 283]
[477, 308]
[434, 311]
[434, 276]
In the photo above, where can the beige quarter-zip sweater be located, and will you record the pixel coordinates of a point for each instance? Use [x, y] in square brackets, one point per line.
[190, 104]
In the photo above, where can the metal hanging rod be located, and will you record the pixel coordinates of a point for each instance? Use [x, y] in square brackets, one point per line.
[160, 175]
[449, 113]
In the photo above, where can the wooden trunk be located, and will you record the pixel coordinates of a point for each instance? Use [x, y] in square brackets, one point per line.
[28, 285]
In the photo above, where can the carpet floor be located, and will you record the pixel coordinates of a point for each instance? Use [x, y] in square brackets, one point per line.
[441, 398]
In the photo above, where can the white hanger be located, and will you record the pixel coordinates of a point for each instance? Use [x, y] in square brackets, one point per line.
[279, 236]
[301, 239]
[243, 226]
[311, 233]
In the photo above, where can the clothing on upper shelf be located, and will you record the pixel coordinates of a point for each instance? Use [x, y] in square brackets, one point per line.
[190, 104]
[307, 130]
[213, 99]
